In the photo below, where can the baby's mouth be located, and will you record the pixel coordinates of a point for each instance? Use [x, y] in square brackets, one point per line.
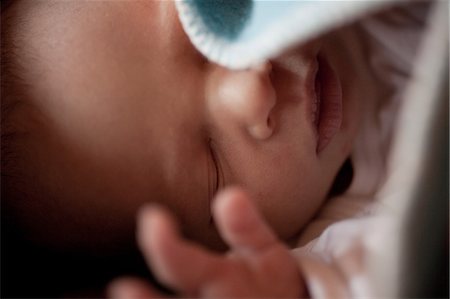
[326, 103]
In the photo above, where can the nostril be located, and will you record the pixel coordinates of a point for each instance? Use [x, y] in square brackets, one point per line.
[246, 97]
[260, 132]
[263, 130]
[262, 123]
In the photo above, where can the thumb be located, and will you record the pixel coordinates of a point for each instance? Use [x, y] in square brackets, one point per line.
[239, 222]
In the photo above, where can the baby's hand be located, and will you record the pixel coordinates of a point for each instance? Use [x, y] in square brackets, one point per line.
[257, 265]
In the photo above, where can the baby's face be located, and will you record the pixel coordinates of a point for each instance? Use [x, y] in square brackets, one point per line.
[129, 113]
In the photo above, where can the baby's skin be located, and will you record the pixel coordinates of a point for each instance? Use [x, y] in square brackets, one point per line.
[121, 111]
[258, 265]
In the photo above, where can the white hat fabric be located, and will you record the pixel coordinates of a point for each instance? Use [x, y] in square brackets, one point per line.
[240, 33]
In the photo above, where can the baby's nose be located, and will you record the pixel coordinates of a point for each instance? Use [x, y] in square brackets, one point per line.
[248, 96]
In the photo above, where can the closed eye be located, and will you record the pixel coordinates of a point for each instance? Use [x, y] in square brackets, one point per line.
[217, 169]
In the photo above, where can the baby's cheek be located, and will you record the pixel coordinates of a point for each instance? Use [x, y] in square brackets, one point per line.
[290, 212]
[346, 147]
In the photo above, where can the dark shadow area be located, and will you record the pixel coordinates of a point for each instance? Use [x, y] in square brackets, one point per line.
[425, 263]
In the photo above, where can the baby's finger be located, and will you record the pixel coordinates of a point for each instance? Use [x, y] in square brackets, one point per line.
[132, 288]
[178, 263]
[239, 222]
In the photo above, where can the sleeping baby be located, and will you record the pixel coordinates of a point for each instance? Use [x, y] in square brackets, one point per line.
[107, 107]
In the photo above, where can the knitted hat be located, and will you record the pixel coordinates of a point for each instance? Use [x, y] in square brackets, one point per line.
[241, 33]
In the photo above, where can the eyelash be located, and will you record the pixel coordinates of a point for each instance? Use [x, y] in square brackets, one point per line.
[216, 167]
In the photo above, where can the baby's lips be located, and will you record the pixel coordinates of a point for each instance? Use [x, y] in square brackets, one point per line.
[330, 115]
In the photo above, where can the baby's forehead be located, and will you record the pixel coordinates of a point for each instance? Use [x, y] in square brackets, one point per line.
[46, 18]
[52, 32]
[71, 57]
